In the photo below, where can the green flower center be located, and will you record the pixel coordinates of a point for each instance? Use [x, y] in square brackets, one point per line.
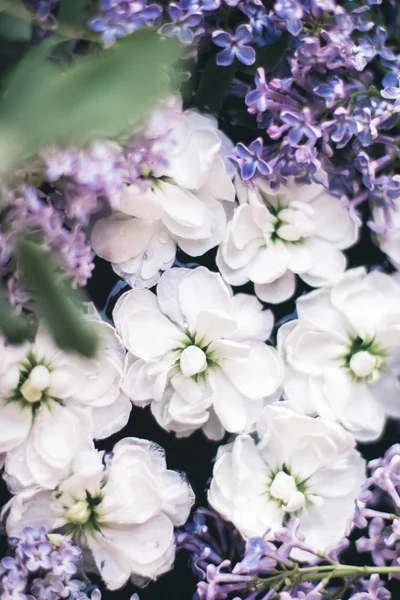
[84, 515]
[194, 356]
[32, 390]
[287, 491]
[364, 359]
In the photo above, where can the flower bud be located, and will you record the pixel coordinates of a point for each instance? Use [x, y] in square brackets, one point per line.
[78, 513]
[38, 380]
[193, 360]
[362, 363]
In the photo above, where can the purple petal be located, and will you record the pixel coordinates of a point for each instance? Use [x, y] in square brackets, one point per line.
[243, 152]
[245, 54]
[248, 170]
[263, 167]
[222, 39]
[226, 57]
[244, 34]
[256, 146]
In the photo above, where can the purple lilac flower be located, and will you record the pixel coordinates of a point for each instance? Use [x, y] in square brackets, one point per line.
[235, 46]
[42, 567]
[292, 12]
[119, 18]
[249, 160]
[185, 25]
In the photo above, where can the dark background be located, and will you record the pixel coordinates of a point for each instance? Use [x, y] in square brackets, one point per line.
[194, 455]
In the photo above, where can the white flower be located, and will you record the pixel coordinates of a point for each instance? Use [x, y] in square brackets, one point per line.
[301, 467]
[53, 403]
[342, 351]
[123, 513]
[275, 234]
[388, 236]
[196, 352]
[181, 207]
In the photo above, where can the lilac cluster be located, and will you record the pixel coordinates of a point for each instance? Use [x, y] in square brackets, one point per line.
[332, 105]
[26, 210]
[41, 566]
[119, 18]
[377, 510]
[193, 20]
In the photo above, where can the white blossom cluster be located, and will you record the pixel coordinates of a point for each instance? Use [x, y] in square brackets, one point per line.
[199, 355]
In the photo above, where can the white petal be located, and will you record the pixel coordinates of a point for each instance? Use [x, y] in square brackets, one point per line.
[277, 291]
[168, 294]
[213, 324]
[181, 207]
[201, 290]
[57, 434]
[177, 496]
[219, 184]
[15, 424]
[253, 322]
[333, 222]
[197, 241]
[119, 239]
[328, 263]
[259, 374]
[32, 508]
[144, 205]
[149, 334]
[300, 258]
[229, 404]
[111, 418]
[136, 549]
[190, 168]
[269, 263]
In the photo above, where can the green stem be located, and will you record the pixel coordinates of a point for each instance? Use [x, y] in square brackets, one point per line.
[318, 573]
[15, 9]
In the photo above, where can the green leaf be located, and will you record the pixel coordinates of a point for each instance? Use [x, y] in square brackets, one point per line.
[214, 84]
[13, 28]
[60, 306]
[15, 329]
[269, 56]
[99, 96]
[75, 12]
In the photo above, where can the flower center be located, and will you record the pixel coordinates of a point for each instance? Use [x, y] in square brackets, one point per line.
[291, 224]
[84, 514]
[193, 355]
[33, 386]
[364, 359]
[36, 383]
[285, 490]
[193, 360]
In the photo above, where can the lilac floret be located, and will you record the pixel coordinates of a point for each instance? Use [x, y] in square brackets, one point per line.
[235, 46]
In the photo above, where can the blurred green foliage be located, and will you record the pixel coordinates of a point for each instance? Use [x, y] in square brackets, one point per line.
[44, 102]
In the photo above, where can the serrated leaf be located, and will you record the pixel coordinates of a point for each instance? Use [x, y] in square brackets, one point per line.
[214, 84]
[99, 96]
[59, 305]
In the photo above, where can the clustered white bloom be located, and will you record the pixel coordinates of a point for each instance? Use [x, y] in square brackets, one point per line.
[122, 510]
[275, 234]
[197, 353]
[52, 404]
[342, 354]
[183, 205]
[299, 467]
